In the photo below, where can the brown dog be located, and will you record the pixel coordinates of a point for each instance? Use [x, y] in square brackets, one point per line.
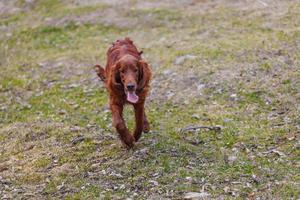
[127, 79]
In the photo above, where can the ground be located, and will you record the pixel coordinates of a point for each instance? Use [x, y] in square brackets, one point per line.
[227, 63]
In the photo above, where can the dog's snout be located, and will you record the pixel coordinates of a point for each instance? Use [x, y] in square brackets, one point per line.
[130, 86]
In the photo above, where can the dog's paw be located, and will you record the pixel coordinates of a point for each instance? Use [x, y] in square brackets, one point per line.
[128, 141]
[146, 127]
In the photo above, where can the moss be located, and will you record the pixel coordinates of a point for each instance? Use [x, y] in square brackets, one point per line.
[89, 192]
[42, 162]
[32, 178]
[10, 20]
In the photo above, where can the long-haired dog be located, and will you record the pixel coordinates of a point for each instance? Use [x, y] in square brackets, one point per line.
[126, 77]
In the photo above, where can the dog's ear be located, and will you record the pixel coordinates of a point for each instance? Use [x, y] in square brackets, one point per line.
[115, 75]
[144, 74]
[100, 72]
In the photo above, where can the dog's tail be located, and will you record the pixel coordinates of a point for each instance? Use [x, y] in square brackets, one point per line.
[100, 72]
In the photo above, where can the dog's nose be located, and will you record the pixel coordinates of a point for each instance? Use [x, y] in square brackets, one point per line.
[130, 86]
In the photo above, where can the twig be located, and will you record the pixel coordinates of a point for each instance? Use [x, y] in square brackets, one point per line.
[276, 152]
[263, 3]
[197, 127]
[78, 139]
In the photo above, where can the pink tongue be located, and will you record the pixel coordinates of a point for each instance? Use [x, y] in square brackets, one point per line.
[132, 97]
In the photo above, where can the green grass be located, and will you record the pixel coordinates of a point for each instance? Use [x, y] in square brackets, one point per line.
[50, 98]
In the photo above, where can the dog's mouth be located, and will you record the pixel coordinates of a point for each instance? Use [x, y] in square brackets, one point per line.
[131, 96]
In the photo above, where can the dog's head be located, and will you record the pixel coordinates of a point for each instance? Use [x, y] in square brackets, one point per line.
[131, 74]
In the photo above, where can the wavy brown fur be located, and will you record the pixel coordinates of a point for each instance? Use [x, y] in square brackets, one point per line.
[124, 54]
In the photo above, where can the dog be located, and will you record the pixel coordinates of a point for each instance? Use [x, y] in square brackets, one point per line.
[127, 79]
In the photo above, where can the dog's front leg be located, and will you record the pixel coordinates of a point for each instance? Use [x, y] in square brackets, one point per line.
[146, 127]
[139, 120]
[119, 124]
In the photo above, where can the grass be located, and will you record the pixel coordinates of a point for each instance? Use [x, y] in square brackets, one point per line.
[56, 134]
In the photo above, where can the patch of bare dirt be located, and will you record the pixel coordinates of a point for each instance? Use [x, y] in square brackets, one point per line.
[120, 13]
[176, 86]
[165, 4]
[107, 17]
[136, 4]
[77, 73]
[10, 7]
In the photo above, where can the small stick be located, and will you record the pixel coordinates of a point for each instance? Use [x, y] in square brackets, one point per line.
[197, 127]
